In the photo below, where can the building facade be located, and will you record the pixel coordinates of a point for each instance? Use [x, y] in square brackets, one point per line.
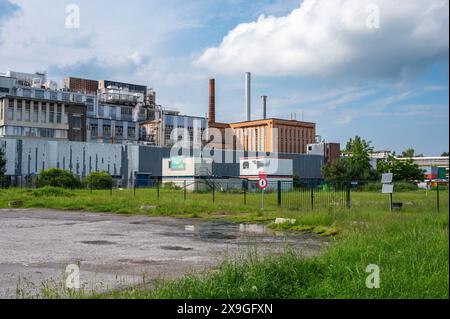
[161, 131]
[80, 85]
[42, 118]
[274, 135]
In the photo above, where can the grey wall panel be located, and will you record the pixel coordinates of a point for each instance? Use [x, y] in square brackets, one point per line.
[25, 157]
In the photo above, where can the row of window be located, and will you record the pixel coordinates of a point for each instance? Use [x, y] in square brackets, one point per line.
[32, 132]
[118, 132]
[49, 113]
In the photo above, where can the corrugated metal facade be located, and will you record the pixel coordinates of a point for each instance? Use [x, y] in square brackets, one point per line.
[28, 157]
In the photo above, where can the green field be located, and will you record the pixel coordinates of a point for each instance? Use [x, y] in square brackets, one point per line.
[410, 247]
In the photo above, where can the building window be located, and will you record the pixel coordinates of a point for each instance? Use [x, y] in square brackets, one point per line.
[44, 113]
[51, 114]
[39, 94]
[11, 110]
[19, 112]
[76, 122]
[94, 130]
[119, 131]
[59, 114]
[27, 111]
[131, 132]
[106, 130]
[35, 113]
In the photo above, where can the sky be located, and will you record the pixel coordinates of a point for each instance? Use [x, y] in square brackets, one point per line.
[374, 68]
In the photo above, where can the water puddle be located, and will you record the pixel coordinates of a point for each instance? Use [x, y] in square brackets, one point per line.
[98, 242]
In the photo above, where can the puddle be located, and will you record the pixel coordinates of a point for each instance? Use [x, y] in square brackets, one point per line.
[98, 242]
[140, 262]
[255, 229]
[176, 248]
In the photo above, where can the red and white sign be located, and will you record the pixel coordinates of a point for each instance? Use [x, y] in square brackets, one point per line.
[263, 183]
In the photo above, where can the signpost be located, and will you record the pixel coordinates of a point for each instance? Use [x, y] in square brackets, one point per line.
[262, 184]
[388, 187]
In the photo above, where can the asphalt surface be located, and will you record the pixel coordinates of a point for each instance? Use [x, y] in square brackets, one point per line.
[116, 251]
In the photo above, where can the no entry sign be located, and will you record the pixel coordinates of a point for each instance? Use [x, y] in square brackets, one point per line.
[262, 183]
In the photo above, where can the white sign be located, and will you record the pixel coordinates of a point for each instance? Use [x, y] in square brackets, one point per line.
[388, 189]
[387, 178]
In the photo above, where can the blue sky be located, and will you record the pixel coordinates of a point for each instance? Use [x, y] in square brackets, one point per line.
[319, 58]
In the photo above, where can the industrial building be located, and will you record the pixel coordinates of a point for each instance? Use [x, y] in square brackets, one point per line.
[130, 162]
[84, 110]
[262, 135]
[31, 109]
[161, 131]
[330, 151]
[80, 85]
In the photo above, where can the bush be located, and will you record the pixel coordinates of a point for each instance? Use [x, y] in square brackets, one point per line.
[56, 177]
[98, 180]
[398, 187]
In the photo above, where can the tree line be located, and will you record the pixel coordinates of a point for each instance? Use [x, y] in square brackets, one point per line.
[356, 164]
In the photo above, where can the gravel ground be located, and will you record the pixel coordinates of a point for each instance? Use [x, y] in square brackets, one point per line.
[36, 246]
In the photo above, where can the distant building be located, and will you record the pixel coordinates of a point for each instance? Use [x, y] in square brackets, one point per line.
[160, 131]
[80, 85]
[330, 151]
[42, 118]
[260, 135]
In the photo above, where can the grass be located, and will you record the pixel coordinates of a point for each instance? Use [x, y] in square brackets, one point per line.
[410, 247]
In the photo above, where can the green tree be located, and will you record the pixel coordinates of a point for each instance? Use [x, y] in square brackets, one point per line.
[405, 170]
[410, 152]
[356, 166]
[2, 168]
[444, 154]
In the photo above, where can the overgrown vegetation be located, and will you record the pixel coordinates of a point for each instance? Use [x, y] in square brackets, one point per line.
[56, 177]
[411, 250]
[2, 168]
[98, 180]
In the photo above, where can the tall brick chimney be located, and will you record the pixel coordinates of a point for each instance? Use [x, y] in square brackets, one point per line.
[212, 101]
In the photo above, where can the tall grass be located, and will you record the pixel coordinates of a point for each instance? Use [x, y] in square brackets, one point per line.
[411, 251]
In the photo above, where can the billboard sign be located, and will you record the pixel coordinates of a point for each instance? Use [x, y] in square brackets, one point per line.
[177, 164]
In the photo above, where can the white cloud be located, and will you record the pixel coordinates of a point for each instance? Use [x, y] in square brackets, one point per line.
[329, 38]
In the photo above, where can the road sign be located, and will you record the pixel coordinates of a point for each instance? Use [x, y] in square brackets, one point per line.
[263, 175]
[263, 183]
[388, 189]
[387, 178]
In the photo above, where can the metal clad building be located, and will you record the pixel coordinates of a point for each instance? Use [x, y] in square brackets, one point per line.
[28, 157]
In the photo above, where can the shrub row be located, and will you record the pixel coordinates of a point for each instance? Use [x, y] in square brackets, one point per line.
[56, 177]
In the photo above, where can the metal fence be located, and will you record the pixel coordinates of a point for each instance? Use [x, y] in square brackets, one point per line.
[298, 194]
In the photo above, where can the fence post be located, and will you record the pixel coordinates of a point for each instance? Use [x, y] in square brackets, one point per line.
[312, 196]
[134, 188]
[279, 193]
[157, 187]
[184, 190]
[111, 189]
[437, 198]
[244, 186]
[348, 196]
[214, 191]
